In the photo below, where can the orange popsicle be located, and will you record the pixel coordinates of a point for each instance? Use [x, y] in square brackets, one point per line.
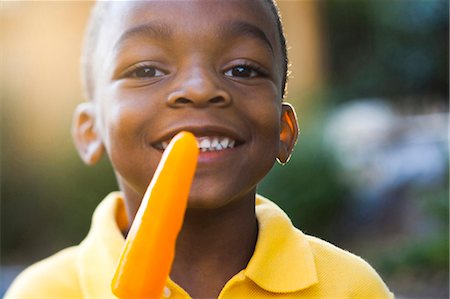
[149, 249]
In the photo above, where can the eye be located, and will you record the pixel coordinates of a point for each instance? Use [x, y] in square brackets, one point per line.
[142, 71]
[244, 71]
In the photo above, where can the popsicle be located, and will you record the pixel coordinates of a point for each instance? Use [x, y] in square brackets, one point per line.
[149, 249]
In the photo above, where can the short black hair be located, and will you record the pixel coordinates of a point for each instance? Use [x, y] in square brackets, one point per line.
[97, 16]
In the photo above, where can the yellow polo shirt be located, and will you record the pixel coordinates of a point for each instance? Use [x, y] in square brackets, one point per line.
[286, 264]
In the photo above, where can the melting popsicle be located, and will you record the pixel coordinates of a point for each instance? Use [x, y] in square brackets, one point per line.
[149, 249]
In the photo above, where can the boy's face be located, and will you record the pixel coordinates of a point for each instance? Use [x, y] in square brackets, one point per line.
[210, 67]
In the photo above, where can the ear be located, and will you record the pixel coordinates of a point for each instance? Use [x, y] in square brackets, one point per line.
[288, 133]
[85, 134]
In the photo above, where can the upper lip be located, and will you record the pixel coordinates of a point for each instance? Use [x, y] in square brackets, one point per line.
[204, 130]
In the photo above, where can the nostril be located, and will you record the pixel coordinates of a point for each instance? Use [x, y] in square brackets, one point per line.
[182, 101]
[217, 100]
[188, 98]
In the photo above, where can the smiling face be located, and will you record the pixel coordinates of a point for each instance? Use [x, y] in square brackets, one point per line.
[210, 67]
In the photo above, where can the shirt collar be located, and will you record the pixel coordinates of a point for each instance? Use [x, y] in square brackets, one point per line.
[102, 248]
[283, 261]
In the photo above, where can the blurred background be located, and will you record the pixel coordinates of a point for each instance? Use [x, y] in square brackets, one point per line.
[370, 173]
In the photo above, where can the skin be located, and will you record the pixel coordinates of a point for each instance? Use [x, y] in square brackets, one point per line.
[210, 67]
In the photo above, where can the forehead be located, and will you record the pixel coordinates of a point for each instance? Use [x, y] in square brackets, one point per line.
[191, 9]
[191, 18]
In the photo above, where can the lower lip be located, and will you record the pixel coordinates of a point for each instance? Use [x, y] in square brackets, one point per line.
[208, 157]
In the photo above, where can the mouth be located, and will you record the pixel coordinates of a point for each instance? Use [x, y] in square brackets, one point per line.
[206, 143]
[207, 140]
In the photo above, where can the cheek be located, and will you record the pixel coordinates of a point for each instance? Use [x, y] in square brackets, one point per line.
[127, 117]
[125, 133]
[120, 125]
[266, 119]
[269, 147]
[266, 123]
[262, 109]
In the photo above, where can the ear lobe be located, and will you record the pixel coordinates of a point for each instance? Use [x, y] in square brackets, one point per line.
[85, 135]
[288, 133]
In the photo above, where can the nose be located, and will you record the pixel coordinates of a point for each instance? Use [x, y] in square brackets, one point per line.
[198, 88]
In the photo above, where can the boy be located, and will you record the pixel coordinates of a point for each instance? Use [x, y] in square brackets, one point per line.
[218, 70]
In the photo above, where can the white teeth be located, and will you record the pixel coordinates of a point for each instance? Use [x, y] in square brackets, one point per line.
[214, 143]
[207, 143]
[224, 142]
[204, 144]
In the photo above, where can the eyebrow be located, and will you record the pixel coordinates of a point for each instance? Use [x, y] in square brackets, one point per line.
[241, 28]
[162, 31]
[153, 30]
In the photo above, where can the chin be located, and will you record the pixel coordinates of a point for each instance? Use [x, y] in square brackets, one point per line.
[213, 199]
[206, 203]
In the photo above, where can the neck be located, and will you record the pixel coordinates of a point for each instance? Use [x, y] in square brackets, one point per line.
[215, 245]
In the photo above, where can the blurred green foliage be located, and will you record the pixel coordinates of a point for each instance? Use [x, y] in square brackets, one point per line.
[426, 252]
[392, 49]
[47, 203]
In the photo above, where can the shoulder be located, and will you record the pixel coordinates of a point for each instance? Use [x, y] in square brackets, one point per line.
[334, 256]
[346, 271]
[53, 277]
